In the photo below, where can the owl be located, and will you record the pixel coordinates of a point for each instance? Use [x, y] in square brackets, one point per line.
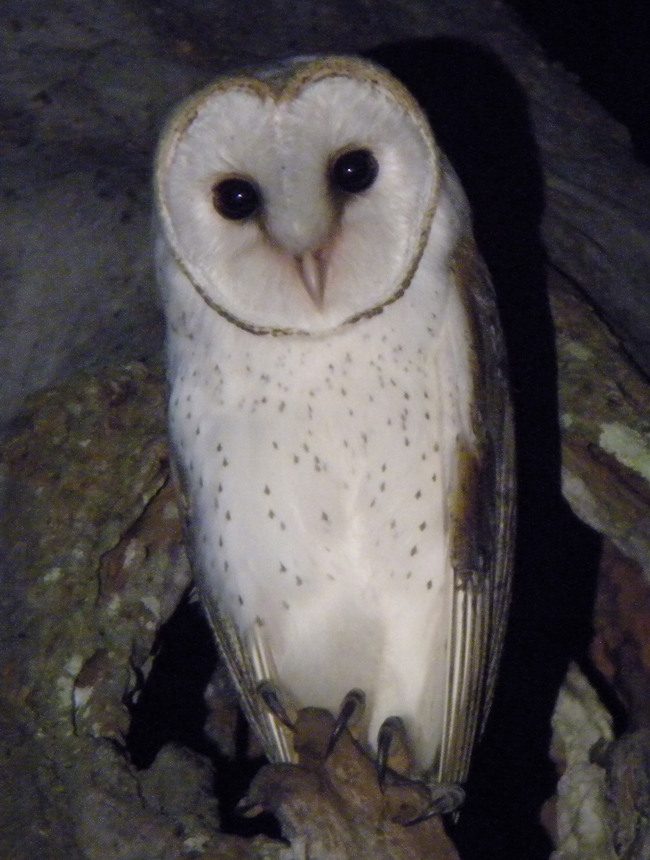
[339, 410]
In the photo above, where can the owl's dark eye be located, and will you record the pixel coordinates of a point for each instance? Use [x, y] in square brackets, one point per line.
[354, 171]
[236, 198]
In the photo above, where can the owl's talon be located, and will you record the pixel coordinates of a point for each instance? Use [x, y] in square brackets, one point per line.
[443, 798]
[351, 709]
[446, 798]
[389, 729]
[268, 692]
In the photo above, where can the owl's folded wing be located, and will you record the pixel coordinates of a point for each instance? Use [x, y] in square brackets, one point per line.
[484, 527]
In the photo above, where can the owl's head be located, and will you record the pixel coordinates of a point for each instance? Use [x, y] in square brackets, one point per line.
[300, 198]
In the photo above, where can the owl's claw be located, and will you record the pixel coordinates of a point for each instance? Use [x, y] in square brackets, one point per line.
[391, 727]
[351, 709]
[446, 797]
[443, 798]
[268, 692]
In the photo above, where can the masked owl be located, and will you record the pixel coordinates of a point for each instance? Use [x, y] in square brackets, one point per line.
[339, 409]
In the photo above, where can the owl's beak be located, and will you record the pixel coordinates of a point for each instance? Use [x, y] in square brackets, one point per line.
[313, 271]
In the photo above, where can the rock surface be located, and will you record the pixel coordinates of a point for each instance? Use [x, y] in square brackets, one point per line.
[94, 566]
[580, 725]
[605, 422]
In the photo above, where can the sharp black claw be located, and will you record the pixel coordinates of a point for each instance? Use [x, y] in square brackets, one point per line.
[445, 799]
[352, 706]
[269, 694]
[389, 728]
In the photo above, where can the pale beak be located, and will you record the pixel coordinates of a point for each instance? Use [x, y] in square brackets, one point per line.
[313, 271]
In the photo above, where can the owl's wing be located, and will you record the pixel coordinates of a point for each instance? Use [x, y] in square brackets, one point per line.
[483, 526]
[275, 738]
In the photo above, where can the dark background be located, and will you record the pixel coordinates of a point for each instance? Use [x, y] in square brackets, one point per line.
[606, 43]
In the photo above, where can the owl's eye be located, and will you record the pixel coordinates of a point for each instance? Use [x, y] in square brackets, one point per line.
[354, 171]
[236, 198]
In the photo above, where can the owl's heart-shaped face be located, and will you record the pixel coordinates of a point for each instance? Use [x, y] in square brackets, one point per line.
[300, 200]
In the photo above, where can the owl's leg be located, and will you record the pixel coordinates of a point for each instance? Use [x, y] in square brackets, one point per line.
[350, 711]
[444, 797]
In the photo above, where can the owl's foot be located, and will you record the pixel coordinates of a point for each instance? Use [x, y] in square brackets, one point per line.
[336, 800]
[444, 798]
[350, 711]
[268, 692]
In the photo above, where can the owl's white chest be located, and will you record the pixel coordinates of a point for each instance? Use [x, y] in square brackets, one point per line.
[321, 472]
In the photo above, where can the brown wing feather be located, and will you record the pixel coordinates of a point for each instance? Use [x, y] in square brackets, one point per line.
[276, 740]
[483, 530]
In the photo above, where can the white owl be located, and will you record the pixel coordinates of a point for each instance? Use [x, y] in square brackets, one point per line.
[338, 408]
